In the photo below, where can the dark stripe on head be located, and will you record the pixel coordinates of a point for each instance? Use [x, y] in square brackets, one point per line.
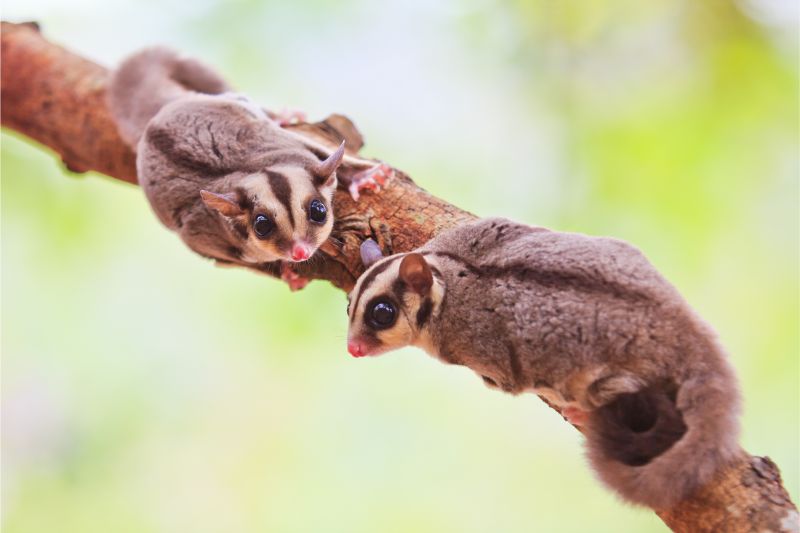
[245, 202]
[369, 278]
[424, 312]
[240, 228]
[399, 288]
[282, 191]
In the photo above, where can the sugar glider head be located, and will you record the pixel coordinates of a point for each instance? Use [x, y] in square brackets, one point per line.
[281, 212]
[393, 302]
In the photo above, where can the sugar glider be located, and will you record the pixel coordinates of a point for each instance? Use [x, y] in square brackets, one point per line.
[588, 323]
[221, 171]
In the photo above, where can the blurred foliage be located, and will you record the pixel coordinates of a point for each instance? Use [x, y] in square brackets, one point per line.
[146, 391]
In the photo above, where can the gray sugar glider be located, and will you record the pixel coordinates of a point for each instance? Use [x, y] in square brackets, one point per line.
[586, 322]
[221, 171]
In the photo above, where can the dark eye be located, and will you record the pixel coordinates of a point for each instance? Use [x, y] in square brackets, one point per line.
[382, 315]
[263, 226]
[317, 211]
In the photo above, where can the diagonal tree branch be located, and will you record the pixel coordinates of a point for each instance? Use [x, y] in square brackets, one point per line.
[58, 99]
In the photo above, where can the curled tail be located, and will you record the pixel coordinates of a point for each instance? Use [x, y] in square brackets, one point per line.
[147, 80]
[656, 446]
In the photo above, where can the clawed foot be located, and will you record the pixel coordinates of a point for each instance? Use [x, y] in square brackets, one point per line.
[575, 415]
[292, 278]
[371, 178]
[286, 116]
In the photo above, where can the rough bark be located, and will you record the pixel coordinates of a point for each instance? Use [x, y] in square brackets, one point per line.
[58, 99]
[747, 496]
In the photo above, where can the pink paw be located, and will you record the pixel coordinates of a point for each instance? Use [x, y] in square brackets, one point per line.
[371, 178]
[292, 278]
[286, 116]
[575, 415]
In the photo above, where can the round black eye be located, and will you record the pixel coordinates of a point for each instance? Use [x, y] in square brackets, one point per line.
[382, 315]
[263, 226]
[317, 211]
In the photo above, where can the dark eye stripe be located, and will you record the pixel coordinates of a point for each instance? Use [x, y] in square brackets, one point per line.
[370, 278]
[240, 228]
[399, 289]
[282, 191]
[424, 312]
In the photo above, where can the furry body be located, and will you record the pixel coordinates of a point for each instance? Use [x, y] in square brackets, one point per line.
[192, 136]
[586, 322]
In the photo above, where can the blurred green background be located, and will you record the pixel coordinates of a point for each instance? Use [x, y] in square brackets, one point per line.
[144, 390]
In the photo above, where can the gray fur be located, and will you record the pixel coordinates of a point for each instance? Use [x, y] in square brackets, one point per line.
[580, 320]
[149, 79]
[191, 134]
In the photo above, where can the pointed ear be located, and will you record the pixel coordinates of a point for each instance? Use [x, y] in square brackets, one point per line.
[324, 171]
[414, 270]
[227, 204]
[370, 253]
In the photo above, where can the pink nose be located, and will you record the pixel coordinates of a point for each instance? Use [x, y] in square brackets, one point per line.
[355, 349]
[300, 252]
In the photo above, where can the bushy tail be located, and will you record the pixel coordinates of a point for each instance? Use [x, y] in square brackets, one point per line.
[656, 446]
[147, 80]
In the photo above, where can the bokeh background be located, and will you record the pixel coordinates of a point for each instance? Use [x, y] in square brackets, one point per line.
[144, 390]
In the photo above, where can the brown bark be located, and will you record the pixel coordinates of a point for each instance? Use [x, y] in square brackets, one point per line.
[747, 496]
[58, 99]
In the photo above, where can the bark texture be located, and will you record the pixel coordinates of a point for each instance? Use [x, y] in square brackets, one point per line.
[747, 496]
[58, 99]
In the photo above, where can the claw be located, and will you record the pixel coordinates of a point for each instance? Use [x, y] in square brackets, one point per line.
[371, 178]
[292, 278]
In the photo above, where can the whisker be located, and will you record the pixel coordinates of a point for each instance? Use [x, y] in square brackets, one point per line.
[338, 243]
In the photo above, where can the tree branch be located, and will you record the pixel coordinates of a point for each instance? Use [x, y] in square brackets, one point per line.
[58, 99]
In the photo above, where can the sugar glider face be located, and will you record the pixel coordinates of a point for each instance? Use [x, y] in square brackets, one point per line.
[281, 213]
[392, 304]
